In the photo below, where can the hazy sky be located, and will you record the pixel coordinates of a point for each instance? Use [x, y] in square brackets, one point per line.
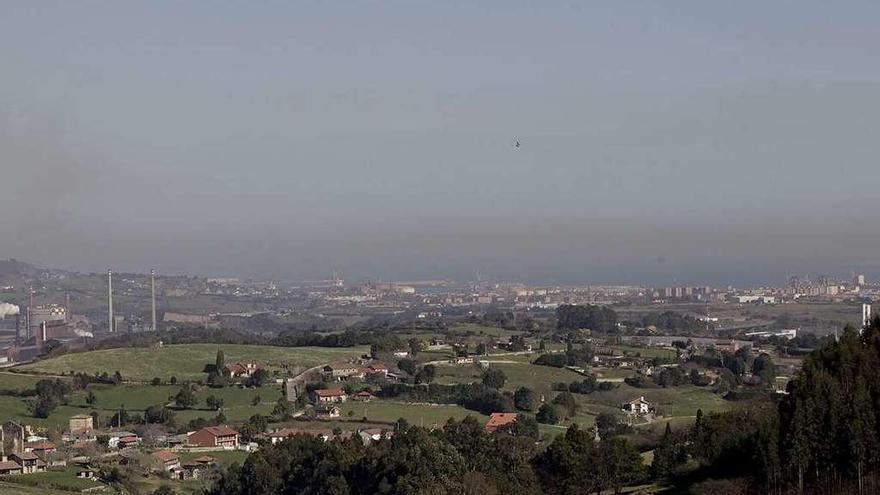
[686, 141]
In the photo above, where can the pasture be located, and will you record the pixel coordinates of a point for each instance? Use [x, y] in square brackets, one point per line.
[184, 361]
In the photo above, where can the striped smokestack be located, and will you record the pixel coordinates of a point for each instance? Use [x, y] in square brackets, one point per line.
[153, 295]
[110, 300]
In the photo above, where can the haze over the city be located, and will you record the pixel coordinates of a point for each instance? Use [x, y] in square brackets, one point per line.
[689, 142]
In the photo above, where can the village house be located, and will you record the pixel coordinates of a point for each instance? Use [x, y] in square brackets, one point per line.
[214, 437]
[80, 423]
[637, 406]
[497, 420]
[165, 460]
[326, 411]
[8, 466]
[329, 395]
[343, 371]
[376, 369]
[242, 369]
[40, 447]
[362, 396]
[371, 435]
[29, 462]
[86, 472]
[122, 439]
[282, 434]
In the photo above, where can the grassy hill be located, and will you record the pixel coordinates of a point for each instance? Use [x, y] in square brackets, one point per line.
[185, 361]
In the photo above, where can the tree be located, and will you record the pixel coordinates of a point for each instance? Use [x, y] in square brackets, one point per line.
[525, 399]
[258, 378]
[220, 362]
[494, 378]
[596, 318]
[164, 490]
[156, 381]
[283, 409]
[665, 456]
[415, 346]
[618, 463]
[91, 398]
[567, 403]
[185, 398]
[407, 365]
[764, 367]
[173, 380]
[547, 414]
[215, 403]
[158, 414]
[481, 350]
[426, 374]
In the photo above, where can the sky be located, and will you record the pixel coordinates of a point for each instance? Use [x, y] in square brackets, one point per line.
[661, 142]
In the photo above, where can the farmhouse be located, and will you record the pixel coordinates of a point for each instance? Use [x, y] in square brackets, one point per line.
[165, 460]
[362, 396]
[29, 462]
[9, 466]
[326, 411]
[80, 423]
[343, 371]
[40, 447]
[214, 436]
[371, 435]
[242, 369]
[329, 395]
[284, 433]
[375, 369]
[637, 406]
[497, 420]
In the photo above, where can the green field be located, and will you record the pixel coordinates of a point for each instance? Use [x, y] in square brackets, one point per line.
[416, 414]
[519, 374]
[64, 479]
[17, 489]
[184, 361]
[135, 398]
[15, 381]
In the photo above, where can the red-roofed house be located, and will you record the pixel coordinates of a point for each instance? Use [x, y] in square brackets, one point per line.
[242, 369]
[376, 369]
[165, 460]
[497, 420]
[40, 447]
[329, 395]
[29, 462]
[214, 436]
[363, 396]
[9, 467]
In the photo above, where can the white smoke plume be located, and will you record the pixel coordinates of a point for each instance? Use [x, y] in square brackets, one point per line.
[7, 309]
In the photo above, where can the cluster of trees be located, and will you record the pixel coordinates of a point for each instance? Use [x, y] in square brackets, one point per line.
[598, 319]
[822, 437]
[571, 357]
[459, 458]
[474, 396]
[672, 321]
[586, 386]
[49, 395]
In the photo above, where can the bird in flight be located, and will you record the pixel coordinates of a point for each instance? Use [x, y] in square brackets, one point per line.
[516, 145]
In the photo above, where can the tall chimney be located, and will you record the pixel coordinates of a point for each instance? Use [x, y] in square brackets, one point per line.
[153, 295]
[66, 307]
[110, 301]
[18, 329]
[28, 323]
[41, 335]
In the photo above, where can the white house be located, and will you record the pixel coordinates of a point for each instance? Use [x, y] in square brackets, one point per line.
[637, 406]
